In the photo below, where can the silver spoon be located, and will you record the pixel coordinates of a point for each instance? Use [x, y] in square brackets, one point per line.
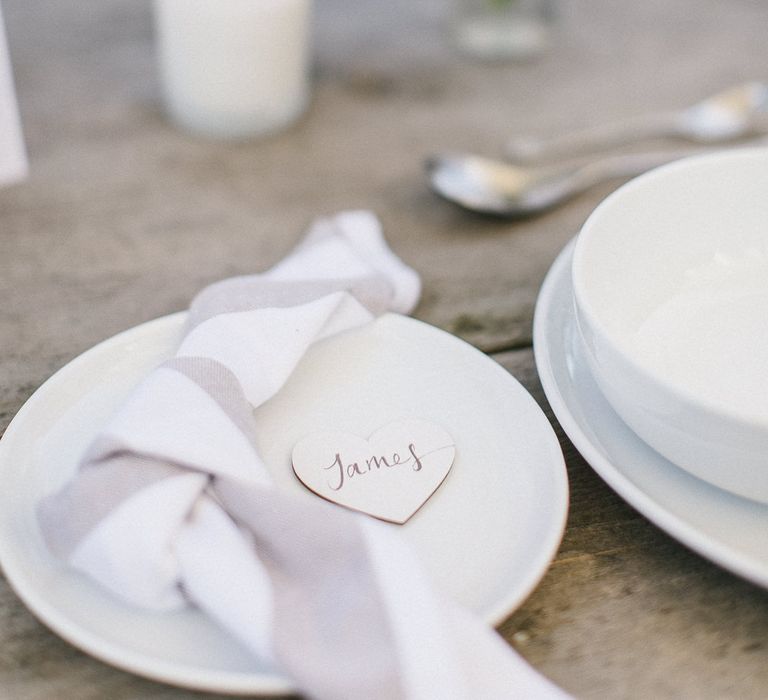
[727, 115]
[501, 189]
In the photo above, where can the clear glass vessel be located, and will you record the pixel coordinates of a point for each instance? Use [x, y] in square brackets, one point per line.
[503, 29]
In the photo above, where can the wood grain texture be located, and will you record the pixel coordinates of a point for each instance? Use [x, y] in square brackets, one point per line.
[627, 612]
[124, 218]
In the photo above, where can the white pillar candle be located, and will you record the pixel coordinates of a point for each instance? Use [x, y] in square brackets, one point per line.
[233, 68]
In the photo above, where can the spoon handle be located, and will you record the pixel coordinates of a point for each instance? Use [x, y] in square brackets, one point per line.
[626, 165]
[594, 138]
[556, 185]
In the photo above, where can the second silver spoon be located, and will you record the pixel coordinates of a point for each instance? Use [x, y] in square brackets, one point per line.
[727, 115]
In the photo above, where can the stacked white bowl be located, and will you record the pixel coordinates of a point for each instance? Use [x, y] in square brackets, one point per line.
[670, 285]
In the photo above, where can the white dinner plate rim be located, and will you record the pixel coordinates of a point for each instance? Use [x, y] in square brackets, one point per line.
[228, 682]
[667, 519]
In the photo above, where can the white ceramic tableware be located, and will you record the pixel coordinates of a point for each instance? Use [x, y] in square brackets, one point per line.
[718, 525]
[486, 537]
[670, 285]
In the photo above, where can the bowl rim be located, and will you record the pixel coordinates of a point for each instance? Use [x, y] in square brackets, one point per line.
[729, 415]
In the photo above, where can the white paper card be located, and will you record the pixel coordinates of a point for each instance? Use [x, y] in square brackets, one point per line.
[13, 157]
[390, 475]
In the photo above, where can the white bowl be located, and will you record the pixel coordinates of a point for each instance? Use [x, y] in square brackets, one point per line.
[670, 284]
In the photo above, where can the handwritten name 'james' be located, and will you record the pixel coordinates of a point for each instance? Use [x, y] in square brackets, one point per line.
[340, 473]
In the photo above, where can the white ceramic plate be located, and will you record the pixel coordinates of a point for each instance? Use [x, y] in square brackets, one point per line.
[487, 535]
[720, 526]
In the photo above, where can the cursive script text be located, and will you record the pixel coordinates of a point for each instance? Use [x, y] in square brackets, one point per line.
[340, 472]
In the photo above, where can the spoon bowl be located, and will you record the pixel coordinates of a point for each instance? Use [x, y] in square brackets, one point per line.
[487, 186]
[501, 189]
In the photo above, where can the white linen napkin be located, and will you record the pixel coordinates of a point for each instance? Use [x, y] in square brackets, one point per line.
[13, 156]
[173, 506]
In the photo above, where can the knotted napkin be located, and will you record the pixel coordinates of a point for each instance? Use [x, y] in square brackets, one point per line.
[172, 506]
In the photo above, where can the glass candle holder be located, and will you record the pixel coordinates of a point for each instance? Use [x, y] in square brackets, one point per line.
[502, 29]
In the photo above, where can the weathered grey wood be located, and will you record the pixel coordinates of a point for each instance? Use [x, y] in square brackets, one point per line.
[124, 219]
[627, 612]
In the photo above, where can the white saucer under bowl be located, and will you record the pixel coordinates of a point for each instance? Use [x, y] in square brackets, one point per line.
[486, 536]
[720, 526]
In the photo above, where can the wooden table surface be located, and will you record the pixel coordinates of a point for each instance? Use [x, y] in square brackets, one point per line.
[123, 218]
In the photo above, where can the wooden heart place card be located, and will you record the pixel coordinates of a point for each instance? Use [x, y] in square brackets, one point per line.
[389, 476]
